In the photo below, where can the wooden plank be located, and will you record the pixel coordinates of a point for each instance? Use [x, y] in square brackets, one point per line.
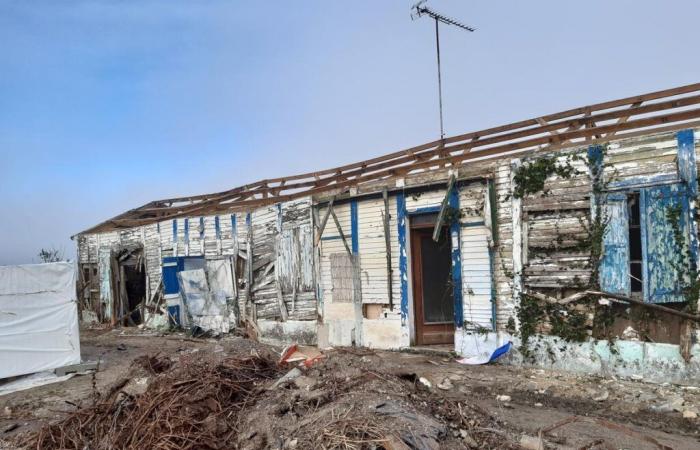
[430, 156]
[322, 225]
[443, 208]
[340, 231]
[387, 242]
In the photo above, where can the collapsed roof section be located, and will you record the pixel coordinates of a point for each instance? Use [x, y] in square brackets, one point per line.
[666, 110]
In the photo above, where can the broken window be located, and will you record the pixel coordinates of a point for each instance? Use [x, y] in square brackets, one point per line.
[635, 244]
[641, 252]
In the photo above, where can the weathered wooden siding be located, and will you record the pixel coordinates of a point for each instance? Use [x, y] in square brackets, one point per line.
[503, 254]
[201, 238]
[553, 225]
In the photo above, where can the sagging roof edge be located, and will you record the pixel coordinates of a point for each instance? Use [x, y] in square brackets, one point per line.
[567, 129]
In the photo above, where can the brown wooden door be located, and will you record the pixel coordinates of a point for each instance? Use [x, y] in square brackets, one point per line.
[432, 286]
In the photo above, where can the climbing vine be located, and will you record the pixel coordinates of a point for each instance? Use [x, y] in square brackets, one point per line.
[566, 320]
[685, 266]
[530, 178]
[452, 215]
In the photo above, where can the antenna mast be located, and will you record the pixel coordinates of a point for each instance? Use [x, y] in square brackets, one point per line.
[419, 10]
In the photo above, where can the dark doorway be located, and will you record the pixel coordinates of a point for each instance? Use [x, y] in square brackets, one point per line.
[432, 284]
[128, 286]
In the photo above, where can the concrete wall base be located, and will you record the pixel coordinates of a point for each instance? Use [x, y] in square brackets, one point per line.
[651, 362]
[293, 331]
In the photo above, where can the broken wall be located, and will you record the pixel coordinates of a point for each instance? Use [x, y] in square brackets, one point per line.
[280, 236]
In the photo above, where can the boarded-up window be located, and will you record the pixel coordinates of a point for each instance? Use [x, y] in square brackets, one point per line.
[343, 278]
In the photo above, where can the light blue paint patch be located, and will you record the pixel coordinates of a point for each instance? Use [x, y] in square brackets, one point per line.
[187, 231]
[247, 219]
[201, 226]
[217, 227]
[354, 232]
[234, 228]
[662, 251]
[595, 156]
[687, 168]
[174, 230]
[453, 201]
[639, 182]
[614, 267]
[403, 265]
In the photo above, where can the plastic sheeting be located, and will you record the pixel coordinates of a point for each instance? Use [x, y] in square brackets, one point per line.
[204, 309]
[485, 358]
[38, 318]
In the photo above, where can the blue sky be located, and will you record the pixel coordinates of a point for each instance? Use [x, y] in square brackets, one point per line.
[106, 104]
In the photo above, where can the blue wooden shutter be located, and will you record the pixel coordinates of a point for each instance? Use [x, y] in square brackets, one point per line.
[661, 253]
[615, 265]
[171, 266]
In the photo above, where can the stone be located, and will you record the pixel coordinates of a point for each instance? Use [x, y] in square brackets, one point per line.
[304, 382]
[7, 411]
[136, 386]
[630, 334]
[690, 414]
[662, 408]
[425, 382]
[446, 385]
[677, 404]
[602, 397]
[503, 398]
[468, 440]
[76, 368]
[288, 377]
[539, 405]
[531, 442]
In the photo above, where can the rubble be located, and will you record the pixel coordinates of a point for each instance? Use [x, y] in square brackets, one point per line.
[209, 401]
[340, 401]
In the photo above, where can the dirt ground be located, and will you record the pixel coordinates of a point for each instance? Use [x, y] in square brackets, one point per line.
[499, 406]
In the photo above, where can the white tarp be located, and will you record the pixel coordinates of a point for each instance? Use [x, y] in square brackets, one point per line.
[38, 318]
[220, 276]
[207, 311]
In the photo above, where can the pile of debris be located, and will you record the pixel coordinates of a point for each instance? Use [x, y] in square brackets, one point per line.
[194, 405]
[203, 402]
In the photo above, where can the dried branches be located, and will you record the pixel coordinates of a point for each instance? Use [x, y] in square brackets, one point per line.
[194, 406]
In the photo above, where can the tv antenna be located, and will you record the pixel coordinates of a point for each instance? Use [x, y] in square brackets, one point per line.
[418, 10]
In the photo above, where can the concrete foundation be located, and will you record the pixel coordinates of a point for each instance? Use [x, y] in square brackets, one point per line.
[283, 333]
[651, 362]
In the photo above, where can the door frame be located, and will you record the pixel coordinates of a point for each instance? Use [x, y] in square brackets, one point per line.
[416, 231]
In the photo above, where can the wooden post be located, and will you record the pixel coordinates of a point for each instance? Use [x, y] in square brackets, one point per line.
[322, 225]
[340, 231]
[443, 208]
[249, 270]
[386, 216]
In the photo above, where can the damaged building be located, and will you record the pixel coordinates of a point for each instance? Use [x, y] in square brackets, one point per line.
[572, 234]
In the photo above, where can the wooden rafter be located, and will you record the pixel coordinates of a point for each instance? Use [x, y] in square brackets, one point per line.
[666, 109]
